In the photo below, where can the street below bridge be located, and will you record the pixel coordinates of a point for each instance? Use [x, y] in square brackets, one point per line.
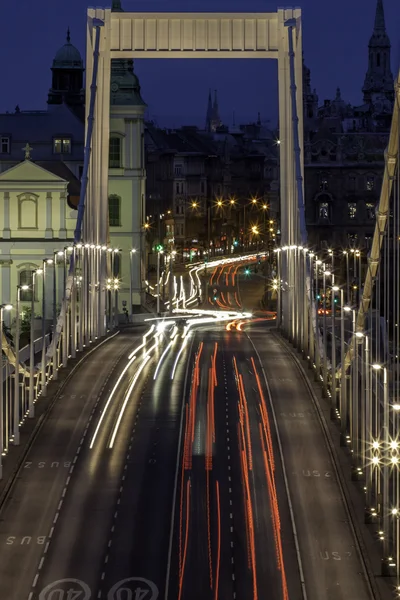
[188, 470]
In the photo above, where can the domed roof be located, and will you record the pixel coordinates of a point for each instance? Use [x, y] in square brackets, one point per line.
[68, 57]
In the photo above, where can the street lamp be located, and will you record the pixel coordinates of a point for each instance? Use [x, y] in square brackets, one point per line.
[3, 307]
[32, 347]
[160, 250]
[16, 373]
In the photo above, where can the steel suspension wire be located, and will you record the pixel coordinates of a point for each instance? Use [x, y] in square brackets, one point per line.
[391, 164]
[70, 283]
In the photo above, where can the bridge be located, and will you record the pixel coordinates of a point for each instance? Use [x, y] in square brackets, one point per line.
[147, 414]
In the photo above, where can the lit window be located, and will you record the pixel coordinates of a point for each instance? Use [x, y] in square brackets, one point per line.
[323, 184]
[115, 153]
[323, 210]
[352, 210]
[5, 145]
[368, 241]
[352, 239]
[62, 146]
[370, 211]
[114, 210]
[26, 278]
[370, 184]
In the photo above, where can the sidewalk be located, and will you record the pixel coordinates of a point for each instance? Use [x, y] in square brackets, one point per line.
[31, 427]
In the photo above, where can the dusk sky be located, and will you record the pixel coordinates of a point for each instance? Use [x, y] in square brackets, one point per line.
[335, 47]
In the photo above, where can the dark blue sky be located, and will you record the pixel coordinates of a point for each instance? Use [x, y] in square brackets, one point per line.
[335, 46]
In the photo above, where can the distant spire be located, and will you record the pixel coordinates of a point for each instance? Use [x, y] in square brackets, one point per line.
[338, 94]
[116, 6]
[379, 25]
[259, 119]
[68, 36]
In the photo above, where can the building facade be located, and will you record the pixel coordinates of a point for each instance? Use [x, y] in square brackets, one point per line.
[344, 152]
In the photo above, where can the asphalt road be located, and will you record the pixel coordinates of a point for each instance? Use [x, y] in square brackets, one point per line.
[230, 535]
[328, 551]
[176, 487]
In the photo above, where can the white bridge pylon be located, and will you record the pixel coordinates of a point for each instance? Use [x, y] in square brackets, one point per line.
[118, 35]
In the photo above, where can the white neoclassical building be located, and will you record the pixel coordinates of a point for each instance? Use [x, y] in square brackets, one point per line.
[37, 218]
[38, 196]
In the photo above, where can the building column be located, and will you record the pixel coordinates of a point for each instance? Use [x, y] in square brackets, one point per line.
[49, 215]
[63, 226]
[6, 288]
[6, 229]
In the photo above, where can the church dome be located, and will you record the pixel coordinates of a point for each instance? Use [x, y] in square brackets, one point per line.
[68, 57]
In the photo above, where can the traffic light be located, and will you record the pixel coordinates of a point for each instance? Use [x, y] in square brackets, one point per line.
[247, 271]
[159, 248]
[235, 243]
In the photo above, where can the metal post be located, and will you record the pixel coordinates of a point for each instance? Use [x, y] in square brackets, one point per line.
[16, 372]
[158, 282]
[386, 441]
[131, 253]
[171, 282]
[368, 424]
[343, 377]
[317, 336]
[333, 359]
[325, 341]
[32, 351]
[43, 369]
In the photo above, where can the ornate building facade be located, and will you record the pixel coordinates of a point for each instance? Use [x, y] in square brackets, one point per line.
[344, 152]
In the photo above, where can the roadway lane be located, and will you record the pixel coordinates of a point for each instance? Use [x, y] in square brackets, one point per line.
[227, 539]
[28, 514]
[139, 540]
[331, 563]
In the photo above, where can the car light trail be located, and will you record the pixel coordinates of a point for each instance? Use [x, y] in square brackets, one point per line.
[110, 397]
[178, 356]
[127, 396]
[161, 359]
[146, 335]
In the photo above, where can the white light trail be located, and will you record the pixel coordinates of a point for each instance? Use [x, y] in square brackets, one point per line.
[127, 395]
[110, 397]
[161, 359]
[178, 357]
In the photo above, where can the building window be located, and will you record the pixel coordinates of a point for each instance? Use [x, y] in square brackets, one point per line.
[370, 184]
[177, 188]
[178, 170]
[323, 211]
[114, 210]
[352, 239]
[323, 183]
[368, 241]
[115, 161]
[370, 206]
[5, 145]
[27, 211]
[352, 183]
[80, 172]
[62, 146]
[202, 187]
[26, 278]
[352, 210]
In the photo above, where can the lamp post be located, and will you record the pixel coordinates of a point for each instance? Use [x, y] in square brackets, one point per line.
[325, 341]
[343, 379]
[3, 307]
[335, 289]
[171, 278]
[16, 374]
[32, 346]
[131, 253]
[43, 374]
[159, 252]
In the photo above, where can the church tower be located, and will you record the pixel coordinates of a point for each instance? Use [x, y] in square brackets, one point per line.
[378, 83]
[216, 119]
[310, 98]
[67, 81]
